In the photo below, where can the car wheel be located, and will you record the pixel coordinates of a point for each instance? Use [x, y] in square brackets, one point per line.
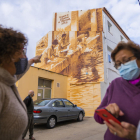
[80, 117]
[51, 122]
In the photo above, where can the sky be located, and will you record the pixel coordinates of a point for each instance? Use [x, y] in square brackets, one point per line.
[34, 17]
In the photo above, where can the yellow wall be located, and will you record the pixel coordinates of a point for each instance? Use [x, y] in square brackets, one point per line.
[30, 82]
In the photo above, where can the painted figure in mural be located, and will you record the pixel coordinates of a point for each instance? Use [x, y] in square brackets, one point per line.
[122, 98]
[62, 42]
[53, 52]
[50, 52]
[13, 65]
[86, 66]
[82, 41]
[63, 46]
[30, 107]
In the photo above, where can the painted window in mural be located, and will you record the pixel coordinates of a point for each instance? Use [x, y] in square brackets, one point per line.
[44, 89]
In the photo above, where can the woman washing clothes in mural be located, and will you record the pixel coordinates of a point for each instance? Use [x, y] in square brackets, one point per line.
[122, 97]
[13, 65]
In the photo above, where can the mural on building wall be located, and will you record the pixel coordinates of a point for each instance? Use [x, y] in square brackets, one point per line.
[74, 53]
[74, 48]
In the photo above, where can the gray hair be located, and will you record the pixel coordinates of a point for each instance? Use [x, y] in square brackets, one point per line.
[31, 92]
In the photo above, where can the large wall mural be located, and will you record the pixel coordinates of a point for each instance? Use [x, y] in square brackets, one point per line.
[74, 48]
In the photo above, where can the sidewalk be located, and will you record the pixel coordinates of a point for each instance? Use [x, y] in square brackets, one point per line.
[71, 130]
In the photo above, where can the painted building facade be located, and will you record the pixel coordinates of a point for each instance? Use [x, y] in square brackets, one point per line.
[80, 46]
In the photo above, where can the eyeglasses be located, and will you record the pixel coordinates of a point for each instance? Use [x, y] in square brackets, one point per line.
[118, 64]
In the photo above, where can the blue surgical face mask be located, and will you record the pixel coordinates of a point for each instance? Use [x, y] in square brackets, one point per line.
[129, 70]
[21, 65]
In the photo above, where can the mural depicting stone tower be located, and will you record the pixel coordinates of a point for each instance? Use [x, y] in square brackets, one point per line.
[75, 48]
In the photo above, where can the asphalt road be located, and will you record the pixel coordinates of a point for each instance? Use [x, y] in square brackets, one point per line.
[88, 129]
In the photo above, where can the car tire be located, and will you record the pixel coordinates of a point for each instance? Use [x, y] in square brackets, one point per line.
[80, 117]
[51, 122]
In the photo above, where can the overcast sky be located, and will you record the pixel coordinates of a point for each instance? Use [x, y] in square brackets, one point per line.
[34, 17]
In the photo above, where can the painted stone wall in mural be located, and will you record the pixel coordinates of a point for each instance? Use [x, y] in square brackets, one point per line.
[75, 48]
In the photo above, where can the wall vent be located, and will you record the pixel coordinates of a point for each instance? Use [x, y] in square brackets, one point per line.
[58, 84]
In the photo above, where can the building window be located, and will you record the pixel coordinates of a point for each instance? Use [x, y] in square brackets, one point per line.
[121, 38]
[109, 27]
[109, 50]
[109, 58]
[44, 88]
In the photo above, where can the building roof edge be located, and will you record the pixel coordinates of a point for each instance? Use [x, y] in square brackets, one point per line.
[114, 21]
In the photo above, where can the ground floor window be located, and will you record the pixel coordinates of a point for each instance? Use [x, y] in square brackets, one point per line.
[44, 88]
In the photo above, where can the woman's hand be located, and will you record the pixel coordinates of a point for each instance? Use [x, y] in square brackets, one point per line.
[114, 109]
[36, 59]
[125, 130]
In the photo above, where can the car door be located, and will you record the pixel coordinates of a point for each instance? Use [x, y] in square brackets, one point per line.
[72, 111]
[60, 110]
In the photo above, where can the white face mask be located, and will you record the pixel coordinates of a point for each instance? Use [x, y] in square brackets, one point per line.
[21, 65]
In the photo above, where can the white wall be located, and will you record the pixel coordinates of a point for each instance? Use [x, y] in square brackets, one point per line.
[111, 40]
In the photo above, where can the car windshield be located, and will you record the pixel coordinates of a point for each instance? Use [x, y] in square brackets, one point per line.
[41, 102]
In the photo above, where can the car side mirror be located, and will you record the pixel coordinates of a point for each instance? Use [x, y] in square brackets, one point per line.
[74, 105]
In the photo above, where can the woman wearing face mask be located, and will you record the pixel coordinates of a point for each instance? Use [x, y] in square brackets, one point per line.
[13, 64]
[122, 97]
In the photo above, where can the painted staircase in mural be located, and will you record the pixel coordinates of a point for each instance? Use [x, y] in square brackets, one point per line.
[74, 48]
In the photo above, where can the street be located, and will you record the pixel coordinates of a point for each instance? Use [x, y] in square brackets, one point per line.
[88, 129]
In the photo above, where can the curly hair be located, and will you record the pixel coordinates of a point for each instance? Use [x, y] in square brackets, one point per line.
[130, 45]
[11, 41]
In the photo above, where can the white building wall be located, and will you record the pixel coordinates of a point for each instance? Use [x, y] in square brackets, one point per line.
[110, 39]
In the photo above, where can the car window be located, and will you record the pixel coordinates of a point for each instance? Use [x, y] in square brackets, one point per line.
[58, 103]
[41, 102]
[68, 103]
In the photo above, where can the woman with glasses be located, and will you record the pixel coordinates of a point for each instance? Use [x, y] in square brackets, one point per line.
[13, 65]
[122, 97]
